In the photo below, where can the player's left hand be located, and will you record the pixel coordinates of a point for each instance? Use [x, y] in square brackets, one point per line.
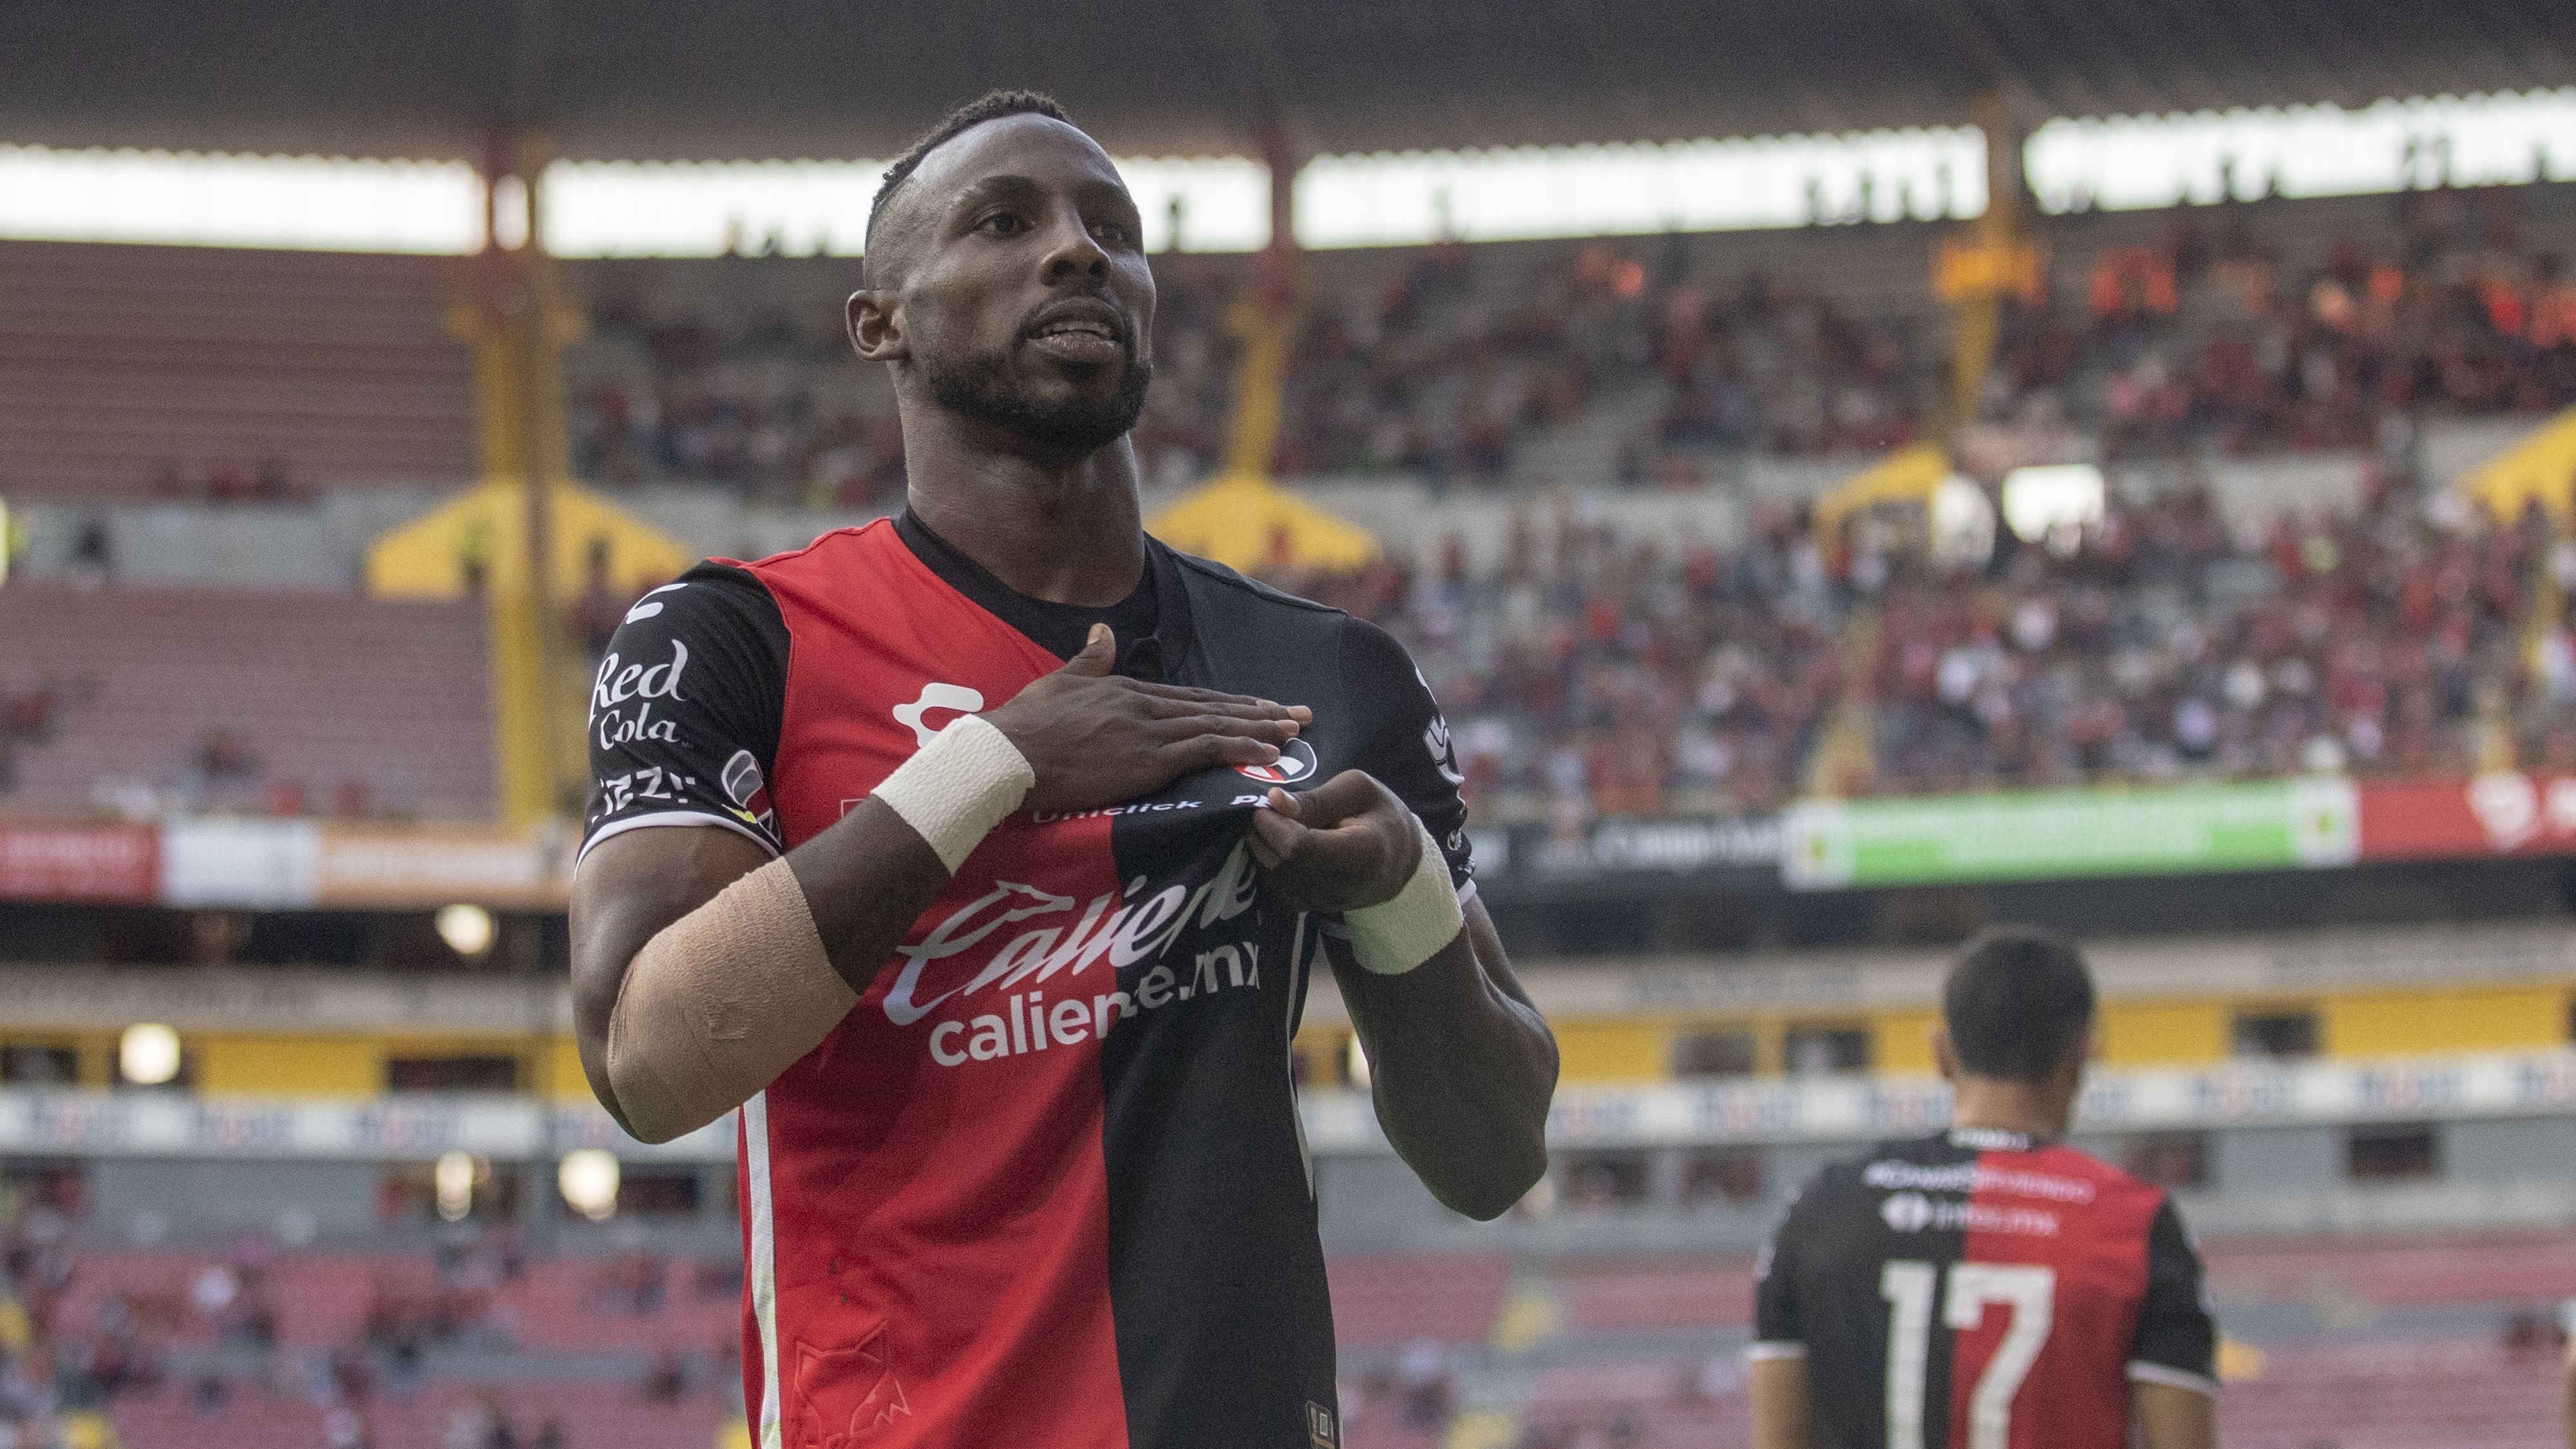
[1347, 843]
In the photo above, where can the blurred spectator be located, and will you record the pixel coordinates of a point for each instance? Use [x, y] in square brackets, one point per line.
[93, 556]
[601, 606]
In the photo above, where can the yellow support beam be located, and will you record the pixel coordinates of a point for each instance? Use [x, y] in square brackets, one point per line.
[515, 316]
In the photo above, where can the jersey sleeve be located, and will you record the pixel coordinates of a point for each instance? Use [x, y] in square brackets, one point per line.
[2177, 1336]
[685, 709]
[1777, 1329]
[1404, 741]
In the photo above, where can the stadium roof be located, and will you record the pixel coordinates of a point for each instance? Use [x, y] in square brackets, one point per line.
[675, 79]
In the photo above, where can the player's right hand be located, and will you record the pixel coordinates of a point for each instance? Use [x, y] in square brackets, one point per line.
[1095, 738]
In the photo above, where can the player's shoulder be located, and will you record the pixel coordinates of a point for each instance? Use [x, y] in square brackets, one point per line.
[1228, 609]
[2069, 1161]
[834, 550]
[715, 596]
[1210, 581]
[2074, 1176]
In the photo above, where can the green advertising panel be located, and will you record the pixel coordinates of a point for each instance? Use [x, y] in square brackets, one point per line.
[2070, 834]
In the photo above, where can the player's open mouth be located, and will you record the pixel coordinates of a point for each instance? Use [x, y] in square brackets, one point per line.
[1085, 332]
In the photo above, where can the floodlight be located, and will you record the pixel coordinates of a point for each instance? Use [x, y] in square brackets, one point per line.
[588, 1178]
[148, 1054]
[2040, 501]
[453, 1178]
[467, 930]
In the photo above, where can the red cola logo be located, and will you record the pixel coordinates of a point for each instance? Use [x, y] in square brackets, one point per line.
[619, 684]
[1058, 939]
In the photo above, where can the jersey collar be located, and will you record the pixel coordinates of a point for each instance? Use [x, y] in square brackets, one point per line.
[1161, 656]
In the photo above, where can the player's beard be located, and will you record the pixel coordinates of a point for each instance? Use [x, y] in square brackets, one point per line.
[980, 387]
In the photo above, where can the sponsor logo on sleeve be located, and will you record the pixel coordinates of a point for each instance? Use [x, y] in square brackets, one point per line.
[622, 697]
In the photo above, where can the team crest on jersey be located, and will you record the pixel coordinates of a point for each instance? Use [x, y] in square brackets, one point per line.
[1296, 762]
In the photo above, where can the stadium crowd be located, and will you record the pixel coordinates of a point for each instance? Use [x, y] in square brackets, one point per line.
[1595, 674]
[2208, 338]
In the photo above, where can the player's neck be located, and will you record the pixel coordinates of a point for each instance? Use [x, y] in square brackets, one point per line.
[2036, 1110]
[1068, 532]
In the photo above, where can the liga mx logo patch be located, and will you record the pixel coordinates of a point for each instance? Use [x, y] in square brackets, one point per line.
[1296, 762]
[749, 793]
[1319, 1426]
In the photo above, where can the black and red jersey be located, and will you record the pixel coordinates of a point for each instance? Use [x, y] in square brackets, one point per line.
[1979, 1290]
[1046, 1183]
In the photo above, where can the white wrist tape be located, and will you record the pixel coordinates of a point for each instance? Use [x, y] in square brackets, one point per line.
[955, 789]
[1394, 936]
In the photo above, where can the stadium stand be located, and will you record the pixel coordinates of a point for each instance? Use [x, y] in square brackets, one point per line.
[2268, 327]
[140, 698]
[1391, 1299]
[1629, 675]
[545, 1414]
[133, 372]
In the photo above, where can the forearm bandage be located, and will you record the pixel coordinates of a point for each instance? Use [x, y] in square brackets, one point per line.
[719, 1003]
[1394, 936]
[955, 789]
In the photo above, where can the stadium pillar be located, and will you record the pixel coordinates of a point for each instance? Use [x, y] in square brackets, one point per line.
[514, 314]
[1265, 319]
[1995, 260]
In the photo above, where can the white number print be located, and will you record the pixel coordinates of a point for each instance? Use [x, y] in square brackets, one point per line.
[2029, 1291]
[1907, 1286]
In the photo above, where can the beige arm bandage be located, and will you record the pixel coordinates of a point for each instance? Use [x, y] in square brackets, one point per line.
[720, 1002]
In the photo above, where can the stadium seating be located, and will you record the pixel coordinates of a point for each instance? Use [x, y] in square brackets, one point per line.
[591, 1416]
[1595, 672]
[132, 372]
[2408, 1394]
[1629, 1294]
[205, 697]
[2384, 1274]
[1393, 1300]
[1649, 361]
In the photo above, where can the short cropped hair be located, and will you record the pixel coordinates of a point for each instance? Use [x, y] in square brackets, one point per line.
[2017, 1001]
[990, 106]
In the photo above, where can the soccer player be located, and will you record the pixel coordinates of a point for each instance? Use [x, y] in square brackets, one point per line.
[954, 851]
[1987, 1288]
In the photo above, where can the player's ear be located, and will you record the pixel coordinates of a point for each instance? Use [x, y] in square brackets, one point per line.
[876, 331]
[1943, 1058]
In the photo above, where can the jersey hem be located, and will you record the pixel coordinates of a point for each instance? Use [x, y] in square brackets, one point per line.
[1763, 1352]
[673, 817]
[2156, 1373]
